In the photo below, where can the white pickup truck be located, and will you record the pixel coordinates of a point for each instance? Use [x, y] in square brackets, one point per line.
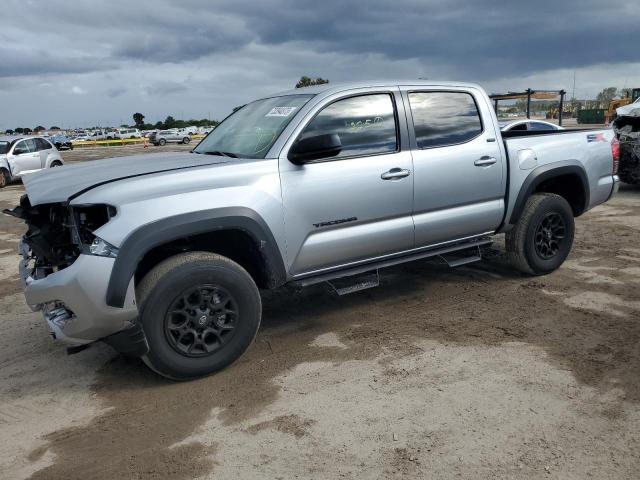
[20, 155]
[162, 255]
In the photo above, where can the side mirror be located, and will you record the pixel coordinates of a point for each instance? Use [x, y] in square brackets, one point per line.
[315, 148]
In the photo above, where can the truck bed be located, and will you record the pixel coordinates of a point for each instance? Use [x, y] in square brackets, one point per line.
[531, 153]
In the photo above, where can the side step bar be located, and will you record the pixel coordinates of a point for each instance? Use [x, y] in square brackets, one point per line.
[375, 266]
[457, 261]
[346, 285]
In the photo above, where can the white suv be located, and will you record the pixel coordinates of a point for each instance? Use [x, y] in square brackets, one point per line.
[22, 155]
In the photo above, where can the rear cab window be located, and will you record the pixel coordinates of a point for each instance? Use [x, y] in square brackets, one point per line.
[444, 118]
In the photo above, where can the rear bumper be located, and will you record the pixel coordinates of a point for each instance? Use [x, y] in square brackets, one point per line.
[73, 303]
[615, 186]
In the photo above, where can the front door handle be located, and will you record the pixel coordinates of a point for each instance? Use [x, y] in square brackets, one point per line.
[485, 161]
[395, 174]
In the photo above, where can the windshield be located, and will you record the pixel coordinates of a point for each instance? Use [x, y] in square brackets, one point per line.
[250, 132]
[4, 146]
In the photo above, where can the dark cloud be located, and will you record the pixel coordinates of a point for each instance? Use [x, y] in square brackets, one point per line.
[16, 62]
[207, 57]
[165, 87]
[482, 38]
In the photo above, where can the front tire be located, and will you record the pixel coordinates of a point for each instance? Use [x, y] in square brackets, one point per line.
[162, 142]
[200, 312]
[542, 238]
[186, 140]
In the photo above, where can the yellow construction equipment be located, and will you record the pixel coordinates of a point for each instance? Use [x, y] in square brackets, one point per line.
[616, 103]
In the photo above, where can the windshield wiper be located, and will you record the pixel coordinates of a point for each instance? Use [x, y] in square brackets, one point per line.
[220, 154]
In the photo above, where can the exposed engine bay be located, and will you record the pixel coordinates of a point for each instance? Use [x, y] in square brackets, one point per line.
[627, 129]
[57, 233]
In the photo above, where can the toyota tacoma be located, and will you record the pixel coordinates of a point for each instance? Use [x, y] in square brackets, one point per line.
[163, 255]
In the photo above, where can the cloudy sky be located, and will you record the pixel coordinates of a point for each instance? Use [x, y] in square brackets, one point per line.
[88, 62]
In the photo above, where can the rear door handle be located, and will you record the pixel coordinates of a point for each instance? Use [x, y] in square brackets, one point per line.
[485, 161]
[395, 174]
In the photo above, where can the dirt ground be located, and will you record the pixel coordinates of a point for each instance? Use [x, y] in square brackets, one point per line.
[476, 372]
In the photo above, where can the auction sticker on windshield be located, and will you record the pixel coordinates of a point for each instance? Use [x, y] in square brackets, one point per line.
[280, 112]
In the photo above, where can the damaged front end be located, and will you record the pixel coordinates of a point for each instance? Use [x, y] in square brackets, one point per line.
[627, 130]
[57, 234]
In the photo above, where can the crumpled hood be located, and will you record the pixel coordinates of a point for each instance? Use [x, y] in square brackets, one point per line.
[631, 110]
[60, 184]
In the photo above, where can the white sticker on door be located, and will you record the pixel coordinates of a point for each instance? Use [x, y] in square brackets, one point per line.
[280, 112]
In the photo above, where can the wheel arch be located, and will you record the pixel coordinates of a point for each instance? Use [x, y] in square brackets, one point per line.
[231, 223]
[569, 181]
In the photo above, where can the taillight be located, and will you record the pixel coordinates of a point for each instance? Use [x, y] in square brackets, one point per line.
[615, 153]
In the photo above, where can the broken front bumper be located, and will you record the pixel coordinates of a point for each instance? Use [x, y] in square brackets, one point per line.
[72, 300]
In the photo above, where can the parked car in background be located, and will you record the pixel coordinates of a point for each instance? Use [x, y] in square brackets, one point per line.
[169, 136]
[22, 155]
[61, 142]
[128, 133]
[528, 125]
[82, 138]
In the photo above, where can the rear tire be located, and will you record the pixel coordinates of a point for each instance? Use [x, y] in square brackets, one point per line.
[162, 142]
[186, 140]
[55, 163]
[542, 238]
[200, 312]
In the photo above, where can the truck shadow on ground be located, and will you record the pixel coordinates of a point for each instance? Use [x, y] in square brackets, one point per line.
[483, 304]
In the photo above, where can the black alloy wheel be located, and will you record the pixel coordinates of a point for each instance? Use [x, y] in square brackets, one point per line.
[550, 235]
[201, 320]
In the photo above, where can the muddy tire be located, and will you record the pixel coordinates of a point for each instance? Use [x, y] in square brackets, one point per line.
[542, 238]
[5, 177]
[200, 312]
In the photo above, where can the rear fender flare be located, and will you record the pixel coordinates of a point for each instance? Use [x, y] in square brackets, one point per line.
[544, 173]
[154, 234]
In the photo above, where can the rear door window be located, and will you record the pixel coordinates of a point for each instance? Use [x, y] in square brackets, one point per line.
[444, 118]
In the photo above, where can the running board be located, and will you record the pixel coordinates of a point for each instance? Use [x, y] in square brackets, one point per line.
[346, 285]
[389, 262]
[454, 261]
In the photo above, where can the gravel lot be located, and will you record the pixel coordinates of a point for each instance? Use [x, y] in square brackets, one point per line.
[476, 372]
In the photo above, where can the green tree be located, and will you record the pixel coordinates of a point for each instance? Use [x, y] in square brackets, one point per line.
[138, 119]
[307, 82]
[9, 131]
[169, 122]
[54, 128]
[39, 128]
[606, 95]
[18, 130]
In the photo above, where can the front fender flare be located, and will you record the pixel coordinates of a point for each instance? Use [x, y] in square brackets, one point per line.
[154, 234]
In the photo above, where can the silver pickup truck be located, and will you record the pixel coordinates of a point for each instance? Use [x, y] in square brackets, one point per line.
[162, 256]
